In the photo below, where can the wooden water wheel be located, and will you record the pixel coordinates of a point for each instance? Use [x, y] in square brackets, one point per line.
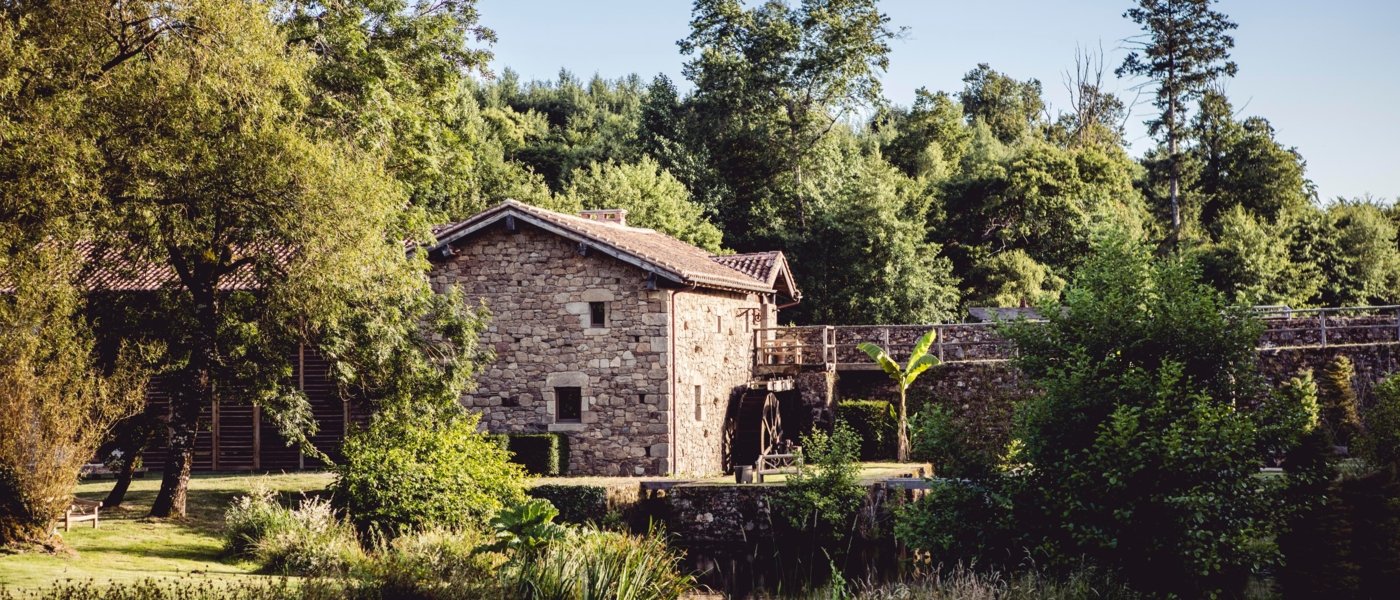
[755, 427]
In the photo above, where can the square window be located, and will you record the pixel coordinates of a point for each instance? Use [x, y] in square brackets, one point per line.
[597, 314]
[568, 404]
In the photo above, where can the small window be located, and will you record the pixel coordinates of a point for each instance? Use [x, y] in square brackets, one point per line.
[568, 404]
[699, 406]
[597, 314]
[719, 324]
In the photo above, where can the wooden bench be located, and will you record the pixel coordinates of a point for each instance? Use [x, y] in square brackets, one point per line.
[81, 511]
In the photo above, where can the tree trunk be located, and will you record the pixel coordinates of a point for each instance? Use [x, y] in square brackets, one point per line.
[117, 496]
[133, 447]
[175, 477]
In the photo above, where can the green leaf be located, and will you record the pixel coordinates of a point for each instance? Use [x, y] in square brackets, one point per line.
[919, 366]
[921, 347]
[882, 358]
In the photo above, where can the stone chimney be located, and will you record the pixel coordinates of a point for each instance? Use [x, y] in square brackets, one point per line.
[615, 216]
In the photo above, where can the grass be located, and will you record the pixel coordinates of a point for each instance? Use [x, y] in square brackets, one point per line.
[128, 547]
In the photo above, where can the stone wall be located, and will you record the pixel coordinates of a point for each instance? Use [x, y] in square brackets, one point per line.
[714, 361]
[538, 288]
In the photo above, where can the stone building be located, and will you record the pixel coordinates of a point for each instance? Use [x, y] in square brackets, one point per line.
[631, 343]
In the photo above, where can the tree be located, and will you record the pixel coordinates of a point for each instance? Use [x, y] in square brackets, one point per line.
[919, 361]
[771, 82]
[930, 138]
[865, 257]
[1185, 46]
[58, 402]
[652, 197]
[1012, 109]
[1096, 117]
[1140, 456]
[1341, 415]
[272, 237]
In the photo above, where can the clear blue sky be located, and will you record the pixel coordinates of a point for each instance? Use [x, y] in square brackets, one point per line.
[1326, 74]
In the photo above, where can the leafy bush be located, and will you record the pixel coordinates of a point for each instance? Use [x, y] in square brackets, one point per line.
[593, 564]
[824, 495]
[577, 504]
[1139, 459]
[438, 564]
[312, 542]
[524, 529]
[1291, 412]
[965, 583]
[945, 443]
[412, 471]
[545, 454]
[1340, 414]
[874, 421]
[1380, 443]
[252, 519]
[957, 522]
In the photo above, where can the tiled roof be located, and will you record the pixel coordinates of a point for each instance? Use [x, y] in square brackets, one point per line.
[667, 256]
[104, 269]
[758, 265]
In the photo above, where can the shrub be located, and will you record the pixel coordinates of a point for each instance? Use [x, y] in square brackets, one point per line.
[957, 522]
[252, 519]
[874, 421]
[1139, 459]
[1380, 443]
[201, 588]
[411, 471]
[1340, 414]
[545, 454]
[523, 530]
[577, 504]
[314, 542]
[1291, 412]
[437, 564]
[945, 443]
[824, 495]
[595, 564]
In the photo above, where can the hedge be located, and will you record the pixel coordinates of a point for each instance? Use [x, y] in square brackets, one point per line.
[874, 421]
[544, 454]
[577, 504]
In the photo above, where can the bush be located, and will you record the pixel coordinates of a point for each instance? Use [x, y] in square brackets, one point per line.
[1380, 443]
[577, 504]
[599, 564]
[545, 454]
[437, 564]
[874, 421]
[945, 443]
[409, 471]
[1340, 414]
[201, 588]
[252, 519]
[313, 542]
[960, 522]
[824, 495]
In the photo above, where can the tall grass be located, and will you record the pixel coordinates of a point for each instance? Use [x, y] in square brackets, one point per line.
[591, 564]
[309, 540]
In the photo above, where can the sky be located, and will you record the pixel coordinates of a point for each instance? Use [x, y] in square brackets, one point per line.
[1325, 74]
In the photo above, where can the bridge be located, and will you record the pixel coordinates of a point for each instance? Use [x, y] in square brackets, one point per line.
[783, 350]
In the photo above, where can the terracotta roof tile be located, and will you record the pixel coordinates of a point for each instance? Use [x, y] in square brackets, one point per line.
[758, 265]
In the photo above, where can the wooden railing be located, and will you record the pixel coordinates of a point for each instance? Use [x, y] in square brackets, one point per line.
[836, 346]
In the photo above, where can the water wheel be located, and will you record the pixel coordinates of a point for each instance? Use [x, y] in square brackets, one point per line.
[755, 427]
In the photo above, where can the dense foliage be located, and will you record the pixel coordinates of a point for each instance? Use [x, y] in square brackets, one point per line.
[411, 470]
[874, 421]
[1140, 456]
[824, 495]
[540, 453]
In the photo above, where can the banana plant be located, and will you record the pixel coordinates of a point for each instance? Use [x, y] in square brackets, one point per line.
[919, 361]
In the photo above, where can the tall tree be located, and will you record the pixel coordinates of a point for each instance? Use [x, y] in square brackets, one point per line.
[1185, 45]
[652, 197]
[272, 236]
[1011, 108]
[772, 82]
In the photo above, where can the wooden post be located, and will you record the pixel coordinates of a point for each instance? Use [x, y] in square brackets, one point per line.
[257, 437]
[1322, 320]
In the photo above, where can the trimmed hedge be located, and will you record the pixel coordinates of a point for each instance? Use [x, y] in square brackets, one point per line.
[577, 504]
[544, 454]
[875, 422]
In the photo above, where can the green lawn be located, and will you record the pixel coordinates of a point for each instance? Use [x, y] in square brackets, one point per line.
[128, 547]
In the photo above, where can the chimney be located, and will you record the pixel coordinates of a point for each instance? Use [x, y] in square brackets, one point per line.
[614, 216]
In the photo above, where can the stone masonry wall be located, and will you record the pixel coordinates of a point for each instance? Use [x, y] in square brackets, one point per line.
[538, 288]
[714, 361]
